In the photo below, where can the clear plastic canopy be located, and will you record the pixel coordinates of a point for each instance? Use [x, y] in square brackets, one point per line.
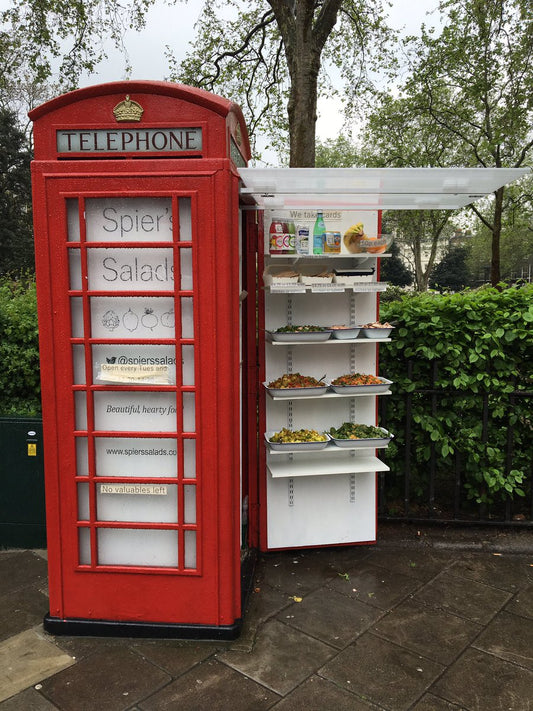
[371, 188]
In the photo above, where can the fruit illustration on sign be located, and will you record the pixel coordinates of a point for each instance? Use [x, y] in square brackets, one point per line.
[167, 319]
[110, 320]
[149, 319]
[130, 320]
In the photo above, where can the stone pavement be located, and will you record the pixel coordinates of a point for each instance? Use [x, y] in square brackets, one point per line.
[431, 620]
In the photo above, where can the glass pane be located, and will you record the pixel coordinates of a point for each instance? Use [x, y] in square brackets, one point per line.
[74, 269]
[189, 502]
[132, 317]
[155, 503]
[135, 411]
[82, 457]
[187, 320]
[76, 311]
[73, 220]
[189, 419]
[190, 549]
[141, 365]
[83, 502]
[186, 279]
[141, 219]
[130, 269]
[84, 545]
[187, 361]
[139, 457]
[189, 458]
[138, 547]
[78, 362]
[184, 206]
[80, 402]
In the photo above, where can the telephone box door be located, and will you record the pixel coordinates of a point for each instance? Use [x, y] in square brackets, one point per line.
[146, 465]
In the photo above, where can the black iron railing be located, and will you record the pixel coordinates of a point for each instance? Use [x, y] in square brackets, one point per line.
[436, 488]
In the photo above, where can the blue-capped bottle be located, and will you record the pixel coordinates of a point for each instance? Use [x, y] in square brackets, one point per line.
[319, 232]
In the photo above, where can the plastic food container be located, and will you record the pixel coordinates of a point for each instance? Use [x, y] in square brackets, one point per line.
[345, 332]
[376, 333]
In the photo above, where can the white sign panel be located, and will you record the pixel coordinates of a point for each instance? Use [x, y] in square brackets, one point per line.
[139, 457]
[132, 317]
[139, 219]
[135, 411]
[130, 269]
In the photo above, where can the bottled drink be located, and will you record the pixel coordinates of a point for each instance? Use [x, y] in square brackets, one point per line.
[278, 235]
[302, 239]
[291, 239]
[319, 232]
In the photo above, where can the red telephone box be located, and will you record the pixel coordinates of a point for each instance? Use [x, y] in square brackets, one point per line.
[141, 301]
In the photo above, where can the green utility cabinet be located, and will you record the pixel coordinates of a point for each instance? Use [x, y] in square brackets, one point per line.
[22, 507]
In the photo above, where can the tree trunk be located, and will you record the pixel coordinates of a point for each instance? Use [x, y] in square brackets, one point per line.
[495, 273]
[304, 35]
[302, 108]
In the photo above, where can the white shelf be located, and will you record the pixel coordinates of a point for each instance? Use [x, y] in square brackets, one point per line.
[330, 341]
[348, 464]
[370, 287]
[330, 448]
[328, 255]
[325, 396]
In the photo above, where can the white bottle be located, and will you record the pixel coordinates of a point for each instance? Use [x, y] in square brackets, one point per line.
[302, 239]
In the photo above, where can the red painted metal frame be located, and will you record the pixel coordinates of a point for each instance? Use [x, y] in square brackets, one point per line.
[211, 593]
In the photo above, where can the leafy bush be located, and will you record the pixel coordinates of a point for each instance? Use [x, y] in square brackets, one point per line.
[478, 347]
[19, 350]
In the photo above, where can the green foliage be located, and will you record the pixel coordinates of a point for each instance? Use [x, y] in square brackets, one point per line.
[16, 236]
[19, 350]
[481, 344]
[452, 271]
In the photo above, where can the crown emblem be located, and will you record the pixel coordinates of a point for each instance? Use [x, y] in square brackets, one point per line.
[128, 110]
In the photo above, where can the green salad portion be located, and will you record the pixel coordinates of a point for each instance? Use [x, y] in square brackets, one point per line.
[300, 329]
[351, 430]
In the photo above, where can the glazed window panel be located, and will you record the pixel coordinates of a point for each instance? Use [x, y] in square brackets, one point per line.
[136, 457]
[138, 219]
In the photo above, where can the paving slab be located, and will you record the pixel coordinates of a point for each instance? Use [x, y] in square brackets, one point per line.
[174, 656]
[26, 659]
[19, 569]
[21, 610]
[331, 617]
[380, 672]
[28, 700]
[211, 686]
[432, 703]
[432, 633]
[509, 637]
[508, 572]
[282, 657]
[482, 682]
[422, 563]
[112, 681]
[375, 585]
[522, 603]
[299, 572]
[463, 597]
[317, 694]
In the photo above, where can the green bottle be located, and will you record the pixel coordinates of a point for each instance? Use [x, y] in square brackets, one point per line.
[319, 234]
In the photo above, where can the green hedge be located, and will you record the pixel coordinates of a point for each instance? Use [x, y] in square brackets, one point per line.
[482, 343]
[19, 349]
